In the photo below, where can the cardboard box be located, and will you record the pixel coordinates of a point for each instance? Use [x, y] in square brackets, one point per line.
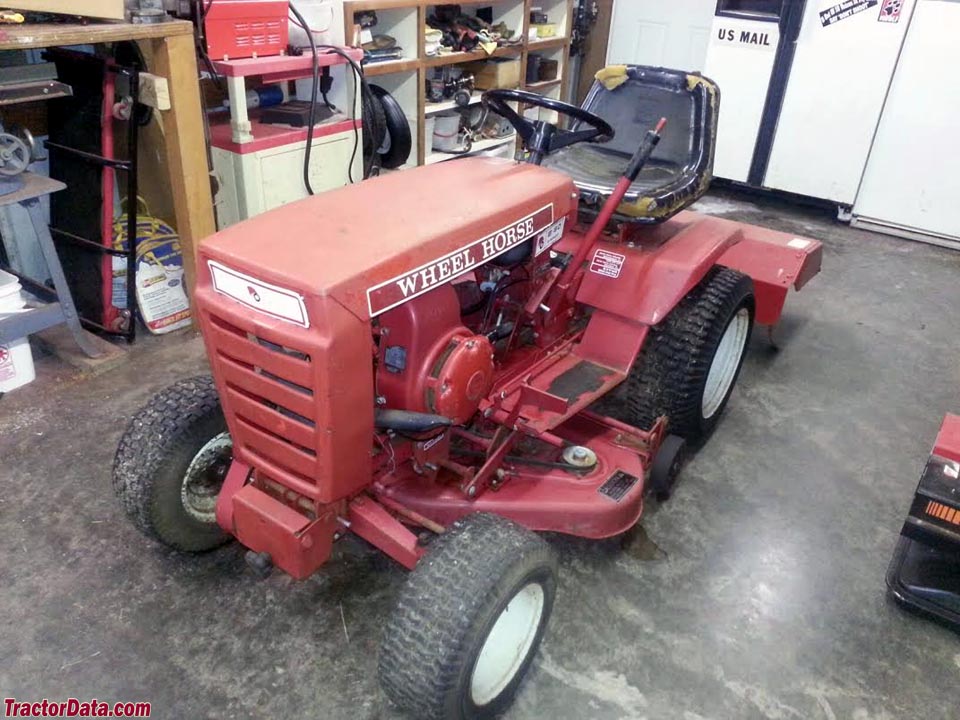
[495, 73]
[548, 70]
[546, 30]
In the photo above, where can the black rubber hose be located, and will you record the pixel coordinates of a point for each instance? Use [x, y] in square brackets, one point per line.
[358, 79]
[314, 91]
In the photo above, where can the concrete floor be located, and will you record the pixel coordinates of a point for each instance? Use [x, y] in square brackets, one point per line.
[756, 592]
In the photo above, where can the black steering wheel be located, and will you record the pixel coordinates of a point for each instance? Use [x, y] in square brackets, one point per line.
[541, 138]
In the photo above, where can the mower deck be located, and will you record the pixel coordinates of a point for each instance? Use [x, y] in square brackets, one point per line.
[598, 502]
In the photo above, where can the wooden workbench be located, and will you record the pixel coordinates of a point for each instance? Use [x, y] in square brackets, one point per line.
[171, 49]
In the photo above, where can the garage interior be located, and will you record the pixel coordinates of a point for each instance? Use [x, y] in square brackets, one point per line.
[795, 569]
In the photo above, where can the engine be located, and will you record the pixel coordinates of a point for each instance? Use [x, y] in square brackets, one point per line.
[429, 361]
[437, 353]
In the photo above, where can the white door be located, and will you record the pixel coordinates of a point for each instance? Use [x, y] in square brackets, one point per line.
[840, 76]
[911, 179]
[663, 33]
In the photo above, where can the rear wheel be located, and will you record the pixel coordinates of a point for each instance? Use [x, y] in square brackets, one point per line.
[171, 464]
[469, 620]
[690, 362]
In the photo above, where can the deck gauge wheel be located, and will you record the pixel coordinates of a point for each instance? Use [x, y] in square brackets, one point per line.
[666, 466]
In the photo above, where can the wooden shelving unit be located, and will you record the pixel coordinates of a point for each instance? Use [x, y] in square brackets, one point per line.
[405, 79]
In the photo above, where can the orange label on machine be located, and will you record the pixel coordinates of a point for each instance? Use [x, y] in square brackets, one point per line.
[943, 512]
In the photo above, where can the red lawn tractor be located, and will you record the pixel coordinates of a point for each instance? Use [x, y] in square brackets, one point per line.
[414, 360]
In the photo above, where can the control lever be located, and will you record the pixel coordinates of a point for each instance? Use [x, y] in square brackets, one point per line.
[564, 283]
[643, 153]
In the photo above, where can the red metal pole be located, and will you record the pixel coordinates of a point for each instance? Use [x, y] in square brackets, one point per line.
[589, 241]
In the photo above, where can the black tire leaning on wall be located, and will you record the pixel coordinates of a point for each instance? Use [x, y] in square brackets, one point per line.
[374, 130]
[397, 129]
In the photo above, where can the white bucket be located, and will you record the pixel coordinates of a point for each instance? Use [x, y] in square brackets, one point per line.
[16, 360]
[428, 124]
[446, 132]
[324, 18]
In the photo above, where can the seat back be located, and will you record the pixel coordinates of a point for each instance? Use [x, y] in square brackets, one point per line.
[632, 99]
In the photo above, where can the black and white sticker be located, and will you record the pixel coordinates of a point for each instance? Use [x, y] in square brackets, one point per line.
[890, 11]
[433, 441]
[753, 35]
[618, 485]
[275, 301]
[606, 263]
[842, 11]
[550, 237]
[419, 280]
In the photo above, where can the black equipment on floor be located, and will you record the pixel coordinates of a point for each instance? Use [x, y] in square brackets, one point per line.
[81, 145]
[924, 574]
[295, 113]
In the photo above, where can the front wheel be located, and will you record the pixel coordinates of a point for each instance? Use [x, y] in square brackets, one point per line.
[469, 621]
[171, 464]
[690, 362]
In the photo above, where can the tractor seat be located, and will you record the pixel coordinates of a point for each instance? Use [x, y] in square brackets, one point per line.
[632, 98]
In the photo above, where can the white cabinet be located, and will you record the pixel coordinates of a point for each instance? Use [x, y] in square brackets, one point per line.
[740, 61]
[911, 186]
[252, 183]
[259, 165]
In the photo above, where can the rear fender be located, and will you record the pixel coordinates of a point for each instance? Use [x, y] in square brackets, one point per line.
[632, 286]
[635, 284]
[645, 282]
[775, 261]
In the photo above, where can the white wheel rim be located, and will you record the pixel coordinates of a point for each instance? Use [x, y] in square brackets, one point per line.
[508, 644]
[725, 362]
[198, 491]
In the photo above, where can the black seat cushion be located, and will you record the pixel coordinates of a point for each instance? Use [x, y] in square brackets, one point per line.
[681, 167]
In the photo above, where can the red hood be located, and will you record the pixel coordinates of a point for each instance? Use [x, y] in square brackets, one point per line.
[400, 232]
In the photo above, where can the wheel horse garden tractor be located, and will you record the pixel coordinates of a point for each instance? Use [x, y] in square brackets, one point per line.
[414, 360]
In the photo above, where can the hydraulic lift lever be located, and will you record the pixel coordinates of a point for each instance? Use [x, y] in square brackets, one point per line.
[564, 284]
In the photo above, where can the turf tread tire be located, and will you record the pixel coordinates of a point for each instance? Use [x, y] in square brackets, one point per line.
[445, 611]
[669, 376]
[154, 453]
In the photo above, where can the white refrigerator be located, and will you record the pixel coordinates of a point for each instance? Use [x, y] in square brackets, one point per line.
[911, 186]
[841, 71]
[802, 82]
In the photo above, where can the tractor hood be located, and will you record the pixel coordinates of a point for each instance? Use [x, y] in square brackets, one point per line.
[374, 245]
